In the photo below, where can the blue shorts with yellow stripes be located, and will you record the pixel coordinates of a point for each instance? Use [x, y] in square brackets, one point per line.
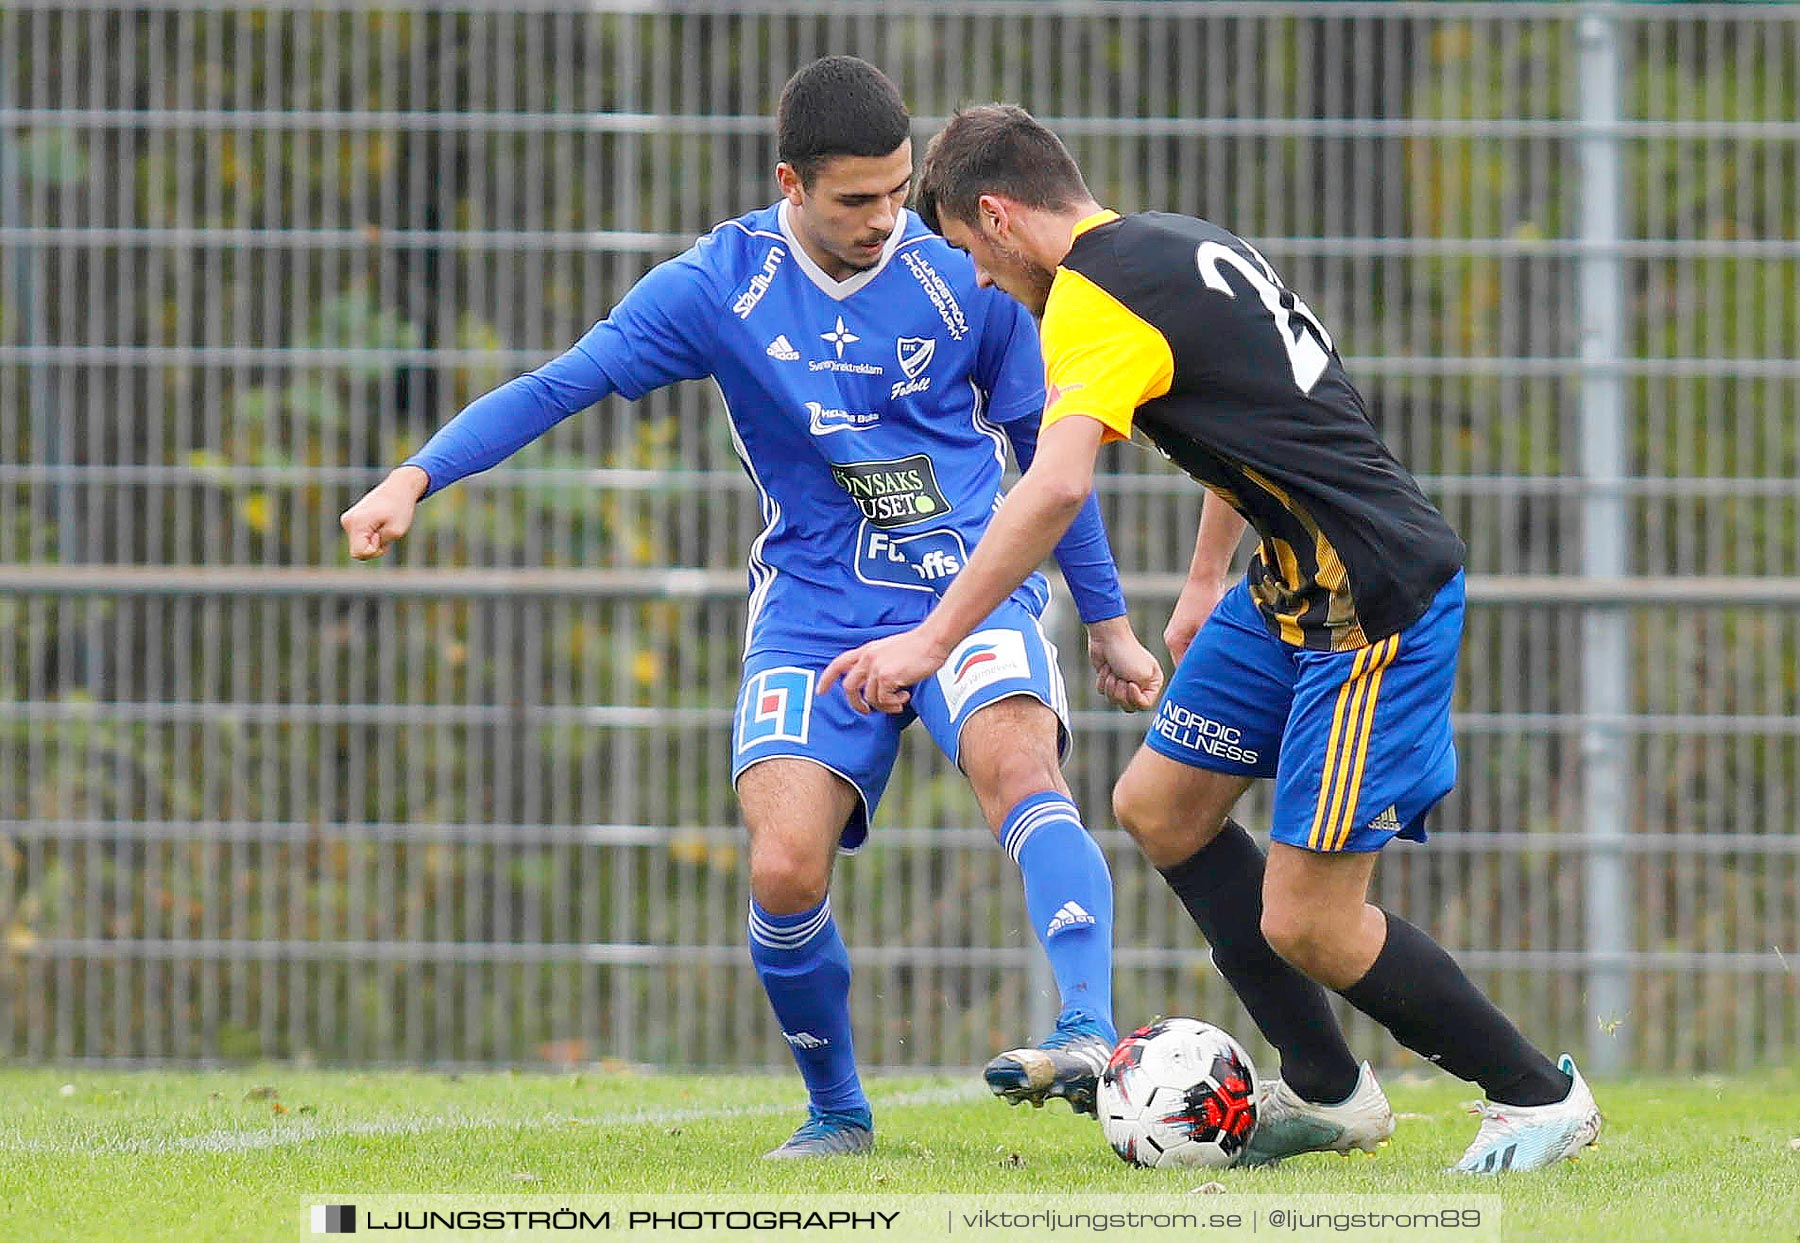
[1359, 743]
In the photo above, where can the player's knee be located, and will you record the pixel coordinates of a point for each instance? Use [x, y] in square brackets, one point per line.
[1144, 812]
[1299, 935]
[1006, 768]
[786, 881]
[1004, 779]
[1009, 752]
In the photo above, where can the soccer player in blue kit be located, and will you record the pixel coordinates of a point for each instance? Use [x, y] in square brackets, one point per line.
[873, 390]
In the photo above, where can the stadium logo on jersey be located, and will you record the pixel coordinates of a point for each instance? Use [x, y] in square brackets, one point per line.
[914, 354]
[1190, 731]
[825, 422]
[759, 284]
[938, 290]
[839, 336]
[918, 562]
[783, 349]
[897, 493]
[978, 662]
[776, 707]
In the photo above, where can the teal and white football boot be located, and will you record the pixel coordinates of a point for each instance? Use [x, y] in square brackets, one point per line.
[1287, 1125]
[1529, 1137]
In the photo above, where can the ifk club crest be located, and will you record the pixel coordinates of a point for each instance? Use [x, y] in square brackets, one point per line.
[915, 355]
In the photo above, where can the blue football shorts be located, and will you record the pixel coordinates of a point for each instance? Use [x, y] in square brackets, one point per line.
[1359, 743]
[779, 715]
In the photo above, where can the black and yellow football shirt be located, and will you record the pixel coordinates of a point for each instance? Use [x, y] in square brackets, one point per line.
[1175, 327]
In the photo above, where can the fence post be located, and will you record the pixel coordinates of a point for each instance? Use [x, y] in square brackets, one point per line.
[1606, 666]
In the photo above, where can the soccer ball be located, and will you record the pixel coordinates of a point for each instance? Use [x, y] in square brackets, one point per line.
[1178, 1093]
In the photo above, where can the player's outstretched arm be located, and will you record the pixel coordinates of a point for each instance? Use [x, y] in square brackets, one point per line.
[385, 513]
[656, 335]
[487, 432]
[1125, 672]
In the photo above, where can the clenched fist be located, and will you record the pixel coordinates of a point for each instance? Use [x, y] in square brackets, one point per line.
[385, 512]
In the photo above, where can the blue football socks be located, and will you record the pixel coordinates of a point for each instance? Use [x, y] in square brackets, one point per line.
[1069, 896]
[805, 970]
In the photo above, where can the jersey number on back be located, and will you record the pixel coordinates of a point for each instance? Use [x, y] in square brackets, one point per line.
[1308, 344]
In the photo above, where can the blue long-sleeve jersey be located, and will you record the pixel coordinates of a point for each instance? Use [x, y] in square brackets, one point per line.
[872, 414]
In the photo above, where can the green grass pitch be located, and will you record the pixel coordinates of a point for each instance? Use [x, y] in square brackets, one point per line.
[99, 1156]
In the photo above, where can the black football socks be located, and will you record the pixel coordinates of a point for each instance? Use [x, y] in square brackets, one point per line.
[1221, 886]
[1416, 991]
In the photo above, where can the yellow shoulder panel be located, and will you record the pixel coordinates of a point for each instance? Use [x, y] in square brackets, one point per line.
[1101, 359]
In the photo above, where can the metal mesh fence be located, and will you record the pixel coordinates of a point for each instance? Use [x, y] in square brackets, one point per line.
[474, 806]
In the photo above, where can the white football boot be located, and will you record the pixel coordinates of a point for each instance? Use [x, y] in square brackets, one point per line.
[1529, 1137]
[1287, 1126]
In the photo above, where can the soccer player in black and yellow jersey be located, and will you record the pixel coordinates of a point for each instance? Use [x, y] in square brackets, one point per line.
[1329, 668]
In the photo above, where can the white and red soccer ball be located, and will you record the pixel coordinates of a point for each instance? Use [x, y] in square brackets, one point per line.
[1178, 1092]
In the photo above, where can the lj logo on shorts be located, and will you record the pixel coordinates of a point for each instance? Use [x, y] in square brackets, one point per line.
[776, 707]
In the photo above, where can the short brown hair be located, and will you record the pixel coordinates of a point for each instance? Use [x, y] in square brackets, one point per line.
[995, 149]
